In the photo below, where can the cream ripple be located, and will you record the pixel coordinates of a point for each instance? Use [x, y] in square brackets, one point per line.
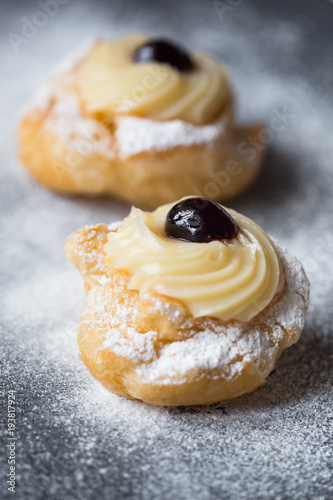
[228, 279]
[111, 84]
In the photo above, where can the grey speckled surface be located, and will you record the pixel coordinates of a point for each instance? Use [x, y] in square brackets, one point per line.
[74, 440]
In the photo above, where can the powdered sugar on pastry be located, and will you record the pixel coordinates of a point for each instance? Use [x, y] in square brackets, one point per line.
[138, 347]
[135, 135]
[83, 135]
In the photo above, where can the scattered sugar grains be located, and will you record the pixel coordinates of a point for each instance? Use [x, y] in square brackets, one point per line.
[77, 440]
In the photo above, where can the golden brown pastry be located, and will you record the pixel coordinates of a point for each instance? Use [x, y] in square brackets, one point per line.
[189, 304]
[141, 120]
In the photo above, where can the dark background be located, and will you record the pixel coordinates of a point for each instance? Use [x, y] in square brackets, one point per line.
[75, 440]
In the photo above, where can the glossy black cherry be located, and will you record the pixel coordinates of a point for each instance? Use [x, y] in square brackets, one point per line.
[163, 51]
[199, 220]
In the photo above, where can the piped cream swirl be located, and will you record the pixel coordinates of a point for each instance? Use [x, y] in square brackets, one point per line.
[111, 84]
[228, 279]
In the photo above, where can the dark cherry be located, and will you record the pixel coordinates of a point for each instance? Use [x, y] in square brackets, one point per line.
[163, 51]
[199, 220]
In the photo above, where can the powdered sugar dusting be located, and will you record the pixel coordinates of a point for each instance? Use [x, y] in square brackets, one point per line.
[76, 439]
[83, 135]
[135, 135]
[138, 347]
[165, 308]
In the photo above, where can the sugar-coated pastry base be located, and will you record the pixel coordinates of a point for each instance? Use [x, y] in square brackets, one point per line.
[73, 153]
[152, 349]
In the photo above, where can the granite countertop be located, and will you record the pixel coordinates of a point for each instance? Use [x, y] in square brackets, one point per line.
[74, 439]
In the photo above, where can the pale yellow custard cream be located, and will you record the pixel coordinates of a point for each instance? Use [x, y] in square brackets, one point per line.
[111, 84]
[227, 279]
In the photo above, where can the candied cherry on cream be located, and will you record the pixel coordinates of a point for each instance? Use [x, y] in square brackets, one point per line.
[163, 51]
[199, 220]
